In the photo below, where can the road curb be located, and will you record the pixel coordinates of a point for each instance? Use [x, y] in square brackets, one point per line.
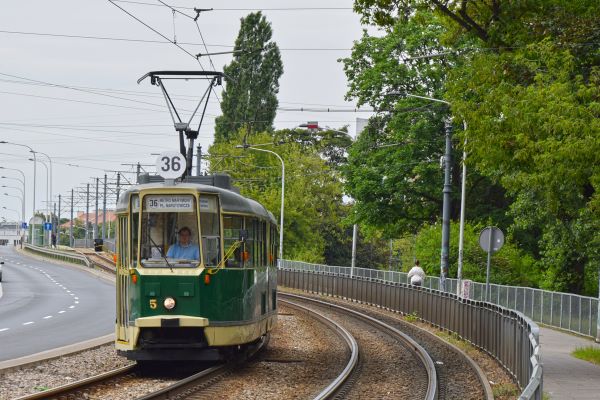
[26, 361]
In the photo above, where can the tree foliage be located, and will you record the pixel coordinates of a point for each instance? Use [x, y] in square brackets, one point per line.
[524, 76]
[252, 78]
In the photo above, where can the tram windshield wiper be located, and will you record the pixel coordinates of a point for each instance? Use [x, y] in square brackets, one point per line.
[161, 252]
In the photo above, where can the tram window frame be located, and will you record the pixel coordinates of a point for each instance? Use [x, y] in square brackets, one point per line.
[248, 253]
[160, 228]
[135, 223]
[233, 225]
[123, 248]
[210, 204]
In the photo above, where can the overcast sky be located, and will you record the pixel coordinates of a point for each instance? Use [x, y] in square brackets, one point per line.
[97, 131]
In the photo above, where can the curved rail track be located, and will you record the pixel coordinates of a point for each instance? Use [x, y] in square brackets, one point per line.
[458, 376]
[345, 388]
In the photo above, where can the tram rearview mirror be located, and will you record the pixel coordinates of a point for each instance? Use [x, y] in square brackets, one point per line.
[243, 235]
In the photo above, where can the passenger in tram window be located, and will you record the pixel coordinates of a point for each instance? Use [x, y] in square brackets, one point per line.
[416, 275]
[184, 249]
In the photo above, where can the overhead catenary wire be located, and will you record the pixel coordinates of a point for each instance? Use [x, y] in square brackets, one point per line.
[143, 3]
[150, 41]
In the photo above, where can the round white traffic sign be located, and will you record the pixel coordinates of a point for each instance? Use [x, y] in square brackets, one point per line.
[170, 164]
[491, 239]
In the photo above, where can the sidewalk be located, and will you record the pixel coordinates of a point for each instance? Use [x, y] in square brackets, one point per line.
[567, 377]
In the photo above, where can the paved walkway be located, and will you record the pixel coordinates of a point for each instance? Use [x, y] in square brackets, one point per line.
[567, 377]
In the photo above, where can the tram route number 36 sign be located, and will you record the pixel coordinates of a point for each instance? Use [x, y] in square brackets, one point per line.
[169, 203]
[170, 164]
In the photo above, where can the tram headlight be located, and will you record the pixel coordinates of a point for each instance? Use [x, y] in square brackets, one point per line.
[169, 303]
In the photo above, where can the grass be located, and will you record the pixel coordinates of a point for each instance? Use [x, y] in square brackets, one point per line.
[412, 317]
[588, 353]
[41, 388]
[503, 390]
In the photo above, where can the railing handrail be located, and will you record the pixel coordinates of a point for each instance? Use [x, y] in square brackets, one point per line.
[566, 311]
[527, 372]
[78, 258]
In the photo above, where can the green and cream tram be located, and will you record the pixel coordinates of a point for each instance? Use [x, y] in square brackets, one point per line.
[196, 270]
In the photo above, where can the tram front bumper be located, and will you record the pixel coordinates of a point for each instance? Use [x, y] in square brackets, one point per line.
[168, 321]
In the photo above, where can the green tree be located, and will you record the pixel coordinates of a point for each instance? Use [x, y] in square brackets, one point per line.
[312, 191]
[525, 77]
[252, 81]
[393, 170]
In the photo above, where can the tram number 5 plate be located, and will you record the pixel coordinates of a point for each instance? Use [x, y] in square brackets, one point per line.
[170, 165]
[153, 304]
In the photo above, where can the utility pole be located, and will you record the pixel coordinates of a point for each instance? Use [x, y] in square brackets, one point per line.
[104, 211]
[96, 214]
[354, 239]
[199, 160]
[138, 170]
[446, 205]
[87, 213]
[118, 188]
[58, 216]
[54, 224]
[71, 227]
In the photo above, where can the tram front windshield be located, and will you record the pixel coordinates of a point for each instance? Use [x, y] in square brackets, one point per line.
[169, 231]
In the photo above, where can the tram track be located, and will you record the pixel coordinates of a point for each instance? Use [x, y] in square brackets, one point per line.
[189, 387]
[368, 371]
[443, 376]
[458, 375]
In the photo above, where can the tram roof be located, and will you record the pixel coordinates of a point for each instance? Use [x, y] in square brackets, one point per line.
[230, 200]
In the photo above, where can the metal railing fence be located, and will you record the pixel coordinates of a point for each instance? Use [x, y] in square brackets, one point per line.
[58, 254]
[507, 335]
[570, 312]
[109, 245]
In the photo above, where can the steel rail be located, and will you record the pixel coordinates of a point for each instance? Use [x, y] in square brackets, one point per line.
[333, 387]
[410, 344]
[194, 383]
[78, 385]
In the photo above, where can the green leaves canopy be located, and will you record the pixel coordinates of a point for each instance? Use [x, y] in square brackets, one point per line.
[252, 78]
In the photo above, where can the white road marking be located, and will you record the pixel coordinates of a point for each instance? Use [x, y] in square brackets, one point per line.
[4, 329]
[73, 294]
[28, 323]
[76, 302]
[71, 306]
[76, 298]
[61, 311]
[48, 316]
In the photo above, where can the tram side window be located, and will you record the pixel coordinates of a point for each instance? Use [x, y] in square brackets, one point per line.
[249, 251]
[135, 223]
[274, 245]
[209, 228]
[263, 247]
[232, 229]
[122, 235]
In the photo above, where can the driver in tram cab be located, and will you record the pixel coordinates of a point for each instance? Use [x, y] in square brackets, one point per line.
[184, 249]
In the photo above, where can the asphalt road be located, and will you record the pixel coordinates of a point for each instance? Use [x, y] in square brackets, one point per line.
[46, 305]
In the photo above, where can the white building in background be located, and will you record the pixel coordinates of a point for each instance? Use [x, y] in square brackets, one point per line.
[10, 231]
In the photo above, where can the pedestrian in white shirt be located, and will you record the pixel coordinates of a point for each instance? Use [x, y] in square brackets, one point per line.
[416, 275]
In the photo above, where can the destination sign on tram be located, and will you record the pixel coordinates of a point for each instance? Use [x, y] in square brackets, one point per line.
[169, 203]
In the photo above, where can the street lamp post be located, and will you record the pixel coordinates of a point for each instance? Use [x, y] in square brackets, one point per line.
[22, 194]
[22, 183]
[34, 179]
[47, 190]
[446, 202]
[49, 196]
[282, 193]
